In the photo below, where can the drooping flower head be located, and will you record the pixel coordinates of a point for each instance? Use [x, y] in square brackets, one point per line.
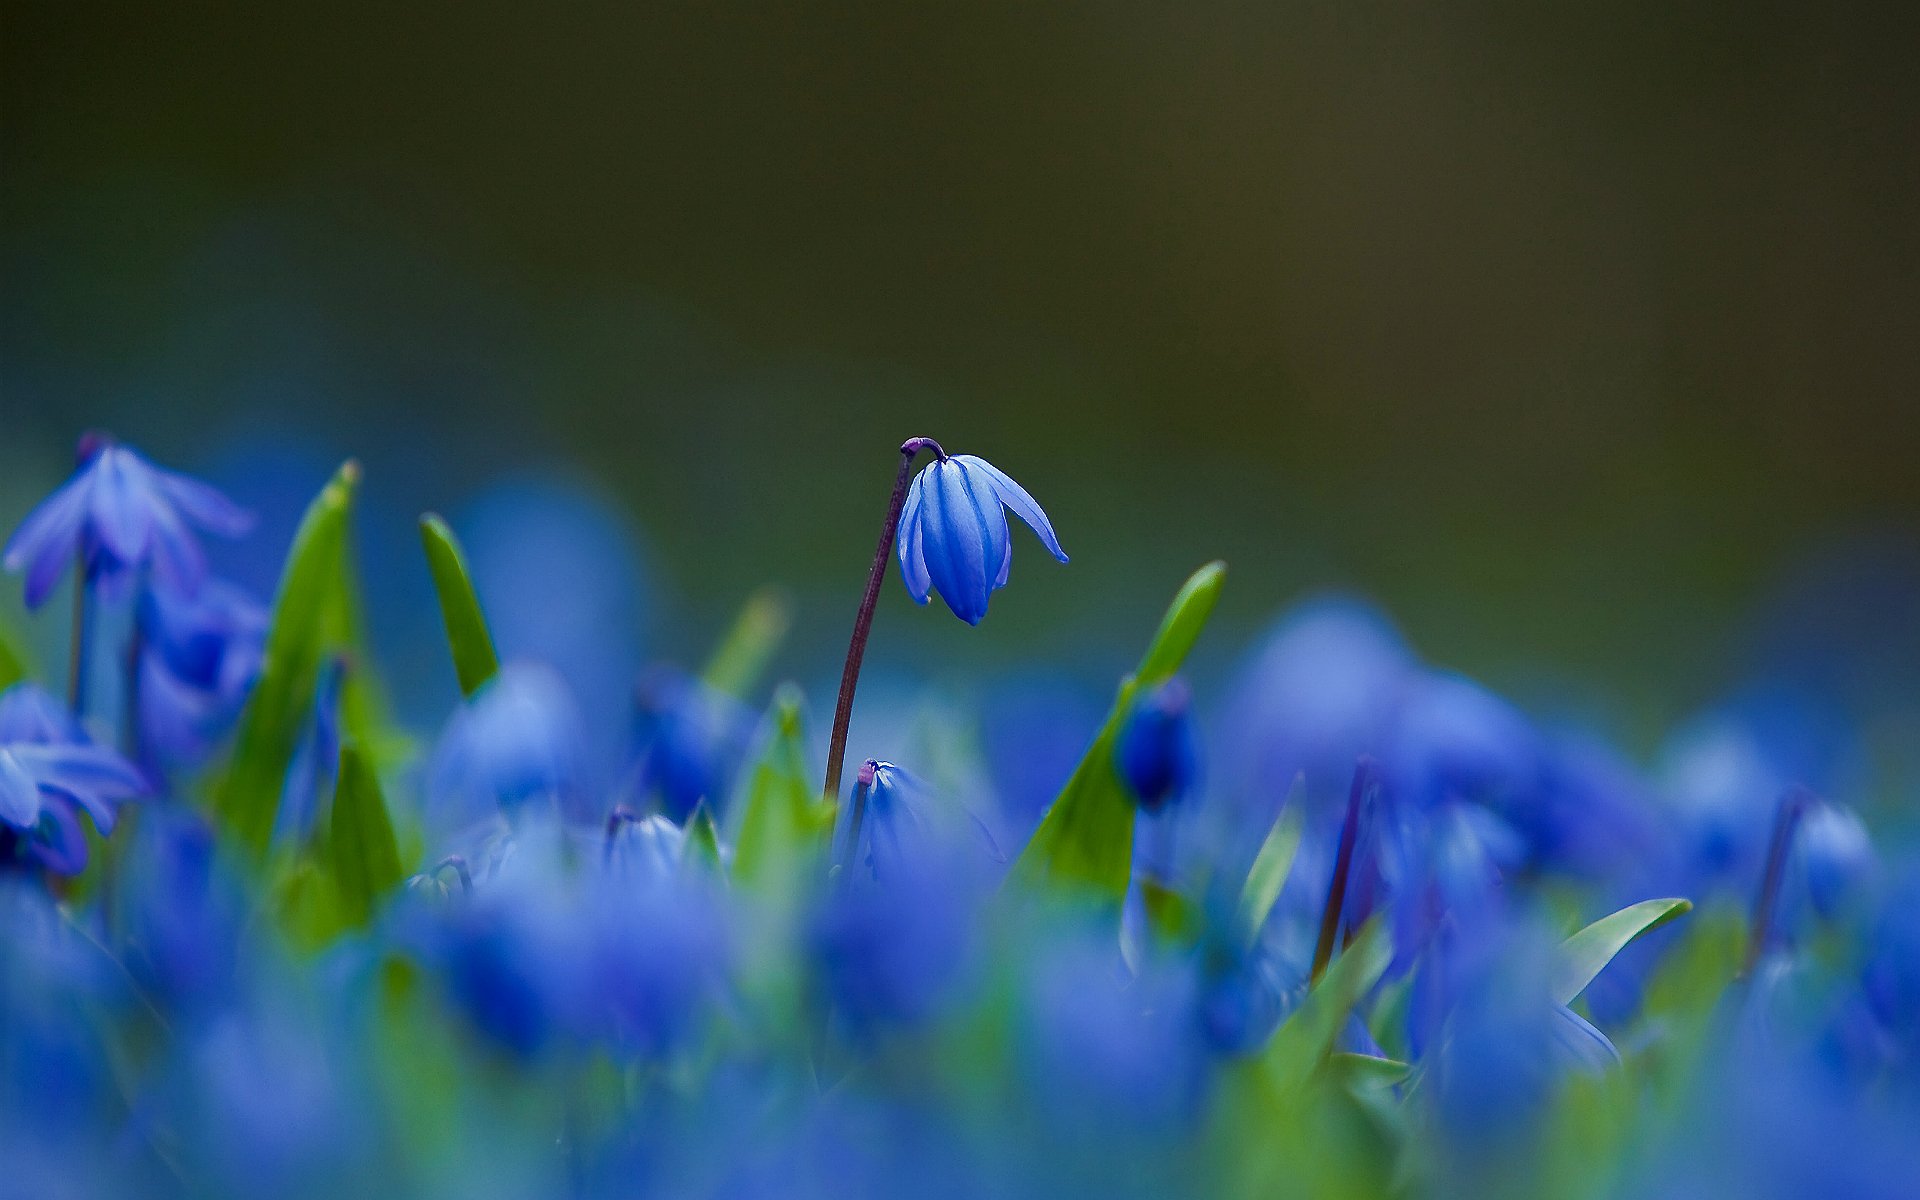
[121, 513]
[953, 535]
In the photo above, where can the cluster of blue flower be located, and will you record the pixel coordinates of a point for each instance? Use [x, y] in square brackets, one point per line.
[1367, 930]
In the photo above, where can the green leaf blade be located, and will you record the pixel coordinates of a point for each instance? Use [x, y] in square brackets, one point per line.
[1181, 627]
[364, 854]
[1270, 870]
[1307, 1037]
[783, 823]
[475, 660]
[1587, 953]
[1086, 838]
[743, 654]
[314, 616]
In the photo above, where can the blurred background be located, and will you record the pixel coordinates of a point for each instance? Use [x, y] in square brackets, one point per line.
[1583, 339]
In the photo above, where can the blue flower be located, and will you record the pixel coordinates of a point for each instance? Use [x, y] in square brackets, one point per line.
[48, 775]
[896, 951]
[516, 743]
[953, 533]
[1836, 856]
[904, 829]
[691, 740]
[1157, 753]
[200, 655]
[122, 513]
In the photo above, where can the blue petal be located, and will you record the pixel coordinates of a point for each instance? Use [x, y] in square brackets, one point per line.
[913, 560]
[203, 504]
[19, 794]
[49, 539]
[955, 543]
[1016, 498]
[93, 777]
[178, 561]
[996, 543]
[122, 503]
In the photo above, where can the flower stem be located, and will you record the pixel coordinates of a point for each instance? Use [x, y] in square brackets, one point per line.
[1363, 773]
[863, 620]
[79, 654]
[1786, 819]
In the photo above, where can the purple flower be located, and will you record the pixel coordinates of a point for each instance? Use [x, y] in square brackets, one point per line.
[953, 533]
[121, 513]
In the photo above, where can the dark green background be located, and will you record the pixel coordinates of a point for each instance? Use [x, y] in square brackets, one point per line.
[1562, 329]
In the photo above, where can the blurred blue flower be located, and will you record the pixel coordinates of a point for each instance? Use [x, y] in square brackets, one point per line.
[903, 827]
[516, 743]
[1836, 858]
[1157, 753]
[183, 912]
[44, 783]
[1454, 740]
[893, 952]
[554, 948]
[121, 513]
[1318, 691]
[648, 846]
[953, 535]
[200, 655]
[1105, 1052]
[690, 739]
[1502, 1043]
[1891, 977]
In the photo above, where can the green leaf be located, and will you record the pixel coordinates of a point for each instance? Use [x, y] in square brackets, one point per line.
[1368, 1070]
[744, 653]
[364, 854]
[1086, 838]
[784, 822]
[1270, 870]
[1181, 627]
[1171, 917]
[1586, 953]
[13, 664]
[1307, 1037]
[474, 658]
[314, 616]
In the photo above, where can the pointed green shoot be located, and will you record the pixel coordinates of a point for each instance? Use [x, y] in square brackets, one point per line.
[1584, 955]
[313, 617]
[474, 658]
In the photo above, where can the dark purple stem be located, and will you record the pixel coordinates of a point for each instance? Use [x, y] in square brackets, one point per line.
[79, 657]
[1786, 819]
[1342, 866]
[863, 620]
